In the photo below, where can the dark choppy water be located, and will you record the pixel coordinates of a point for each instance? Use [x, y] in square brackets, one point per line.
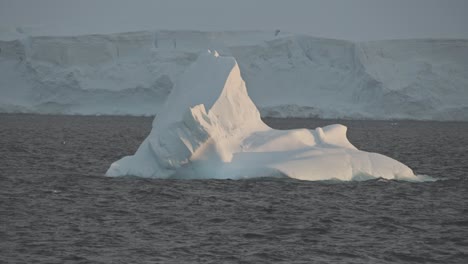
[56, 206]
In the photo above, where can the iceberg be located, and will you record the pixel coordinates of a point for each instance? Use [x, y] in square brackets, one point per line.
[210, 128]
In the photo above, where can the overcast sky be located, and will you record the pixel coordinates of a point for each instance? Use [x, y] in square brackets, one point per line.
[344, 19]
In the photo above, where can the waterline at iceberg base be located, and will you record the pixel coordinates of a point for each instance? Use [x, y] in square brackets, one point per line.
[210, 128]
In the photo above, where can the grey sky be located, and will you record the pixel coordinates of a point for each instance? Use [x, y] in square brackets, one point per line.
[345, 19]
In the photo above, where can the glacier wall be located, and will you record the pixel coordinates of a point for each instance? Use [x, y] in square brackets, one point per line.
[288, 75]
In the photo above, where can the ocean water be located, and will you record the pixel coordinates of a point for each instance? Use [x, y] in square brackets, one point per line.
[57, 207]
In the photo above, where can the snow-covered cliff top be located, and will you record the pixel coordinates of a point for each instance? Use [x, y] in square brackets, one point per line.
[288, 75]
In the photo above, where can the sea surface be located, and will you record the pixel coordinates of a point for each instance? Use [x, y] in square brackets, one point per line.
[56, 205]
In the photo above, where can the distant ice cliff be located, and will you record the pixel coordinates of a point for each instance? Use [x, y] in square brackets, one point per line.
[287, 75]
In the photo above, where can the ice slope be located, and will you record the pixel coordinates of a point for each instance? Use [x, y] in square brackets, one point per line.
[288, 75]
[210, 128]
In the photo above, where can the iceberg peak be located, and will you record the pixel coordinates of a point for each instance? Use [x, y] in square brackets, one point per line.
[215, 53]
